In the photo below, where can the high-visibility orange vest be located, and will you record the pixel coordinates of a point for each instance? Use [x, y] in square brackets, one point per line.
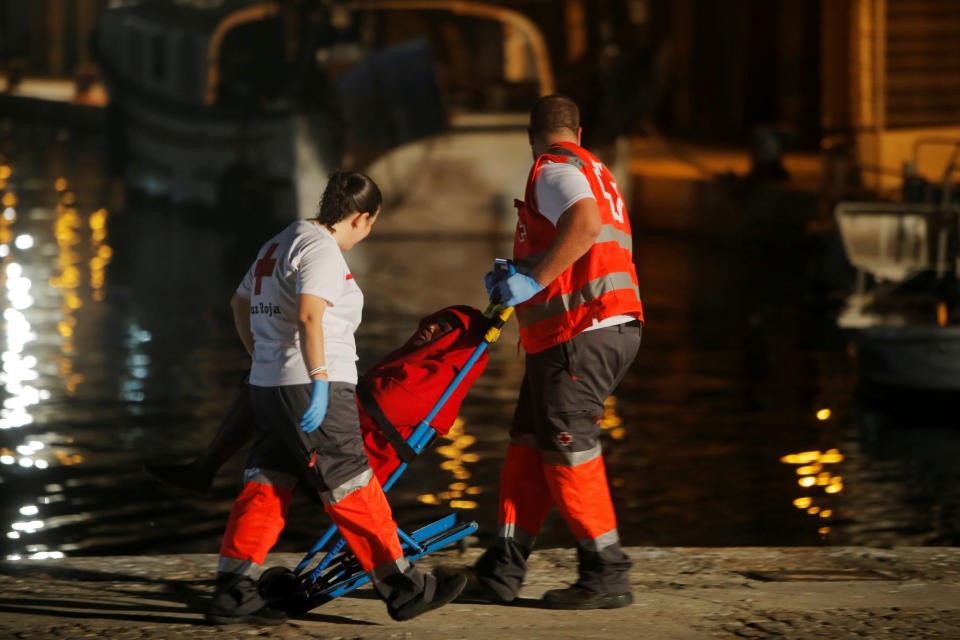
[601, 284]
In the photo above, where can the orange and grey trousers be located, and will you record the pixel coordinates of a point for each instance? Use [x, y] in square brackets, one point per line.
[555, 458]
[330, 461]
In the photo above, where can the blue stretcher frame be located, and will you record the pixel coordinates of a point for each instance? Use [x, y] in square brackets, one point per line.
[338, 571]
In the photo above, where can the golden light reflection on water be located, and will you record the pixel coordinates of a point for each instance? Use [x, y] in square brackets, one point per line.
[456, 462]
[811, 466]
[611, 422]
[67, 281]
[102, 253]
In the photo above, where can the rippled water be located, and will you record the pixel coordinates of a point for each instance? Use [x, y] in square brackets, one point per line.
[118, 348]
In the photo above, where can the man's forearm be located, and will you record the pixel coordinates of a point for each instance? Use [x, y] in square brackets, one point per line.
[577, 231]
[241, 320]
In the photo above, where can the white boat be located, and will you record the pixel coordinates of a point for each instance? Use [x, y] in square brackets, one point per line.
[249, 103]
[907, 257]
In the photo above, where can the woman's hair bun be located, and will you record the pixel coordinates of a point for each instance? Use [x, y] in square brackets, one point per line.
[348, 192]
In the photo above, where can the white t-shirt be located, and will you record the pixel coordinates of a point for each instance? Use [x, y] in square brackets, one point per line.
[558, 187]
[303, 258]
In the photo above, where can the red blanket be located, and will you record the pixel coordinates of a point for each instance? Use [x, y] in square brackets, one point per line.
[408, 382]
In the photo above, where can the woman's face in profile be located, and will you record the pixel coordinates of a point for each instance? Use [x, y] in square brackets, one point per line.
[440, 326]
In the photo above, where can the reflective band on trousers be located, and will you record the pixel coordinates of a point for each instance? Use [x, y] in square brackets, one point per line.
[357, 482]
[387, 569]
[233, 565]
[270, 477]
[570, 458]
[601, 542]
[521, 537]
[561, 304]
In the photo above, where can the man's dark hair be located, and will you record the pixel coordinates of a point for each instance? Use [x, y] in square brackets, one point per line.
[553, 113]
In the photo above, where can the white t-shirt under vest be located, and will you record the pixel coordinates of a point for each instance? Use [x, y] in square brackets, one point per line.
[557, 188]
[302, 259]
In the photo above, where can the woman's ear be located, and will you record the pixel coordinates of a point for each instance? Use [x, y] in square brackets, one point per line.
[358, 219]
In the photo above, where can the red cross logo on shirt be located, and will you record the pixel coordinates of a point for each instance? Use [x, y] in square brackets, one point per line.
[265, 265]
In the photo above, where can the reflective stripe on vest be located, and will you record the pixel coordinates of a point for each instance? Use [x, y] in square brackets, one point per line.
[608, 233]
[571, 157]
[561, 304]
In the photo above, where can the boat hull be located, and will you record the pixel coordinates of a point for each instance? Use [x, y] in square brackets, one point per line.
[919, 358]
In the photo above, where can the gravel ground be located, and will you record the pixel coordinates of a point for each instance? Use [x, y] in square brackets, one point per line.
[678, 593]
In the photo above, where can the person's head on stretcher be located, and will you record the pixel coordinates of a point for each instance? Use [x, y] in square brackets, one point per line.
[409, 380]
[437, 327]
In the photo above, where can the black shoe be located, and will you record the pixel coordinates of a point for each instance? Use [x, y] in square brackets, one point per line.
[448, 587]
[190, 476]
[476, 591]
[577, 597]
[240, 602]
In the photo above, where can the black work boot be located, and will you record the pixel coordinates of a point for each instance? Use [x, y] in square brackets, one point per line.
[578, 597]
[474, 590]
[441, 589]
[237, 600]
[498, 574]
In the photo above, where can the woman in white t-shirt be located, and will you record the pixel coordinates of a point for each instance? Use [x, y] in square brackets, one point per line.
[296, 312]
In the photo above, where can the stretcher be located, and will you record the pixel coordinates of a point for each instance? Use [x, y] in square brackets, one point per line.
[314, 582]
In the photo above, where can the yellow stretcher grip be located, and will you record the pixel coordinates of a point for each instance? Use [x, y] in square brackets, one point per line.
[498, 315]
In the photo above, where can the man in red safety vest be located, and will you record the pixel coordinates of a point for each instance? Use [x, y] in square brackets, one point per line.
[578, 305]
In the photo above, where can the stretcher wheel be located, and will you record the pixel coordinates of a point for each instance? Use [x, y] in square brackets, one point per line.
[283, 589]
[278, 584]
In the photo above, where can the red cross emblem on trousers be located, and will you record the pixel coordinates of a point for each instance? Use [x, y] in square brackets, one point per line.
[264, 268]
[564, 438]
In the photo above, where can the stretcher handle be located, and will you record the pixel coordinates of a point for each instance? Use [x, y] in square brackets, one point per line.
[498, 314]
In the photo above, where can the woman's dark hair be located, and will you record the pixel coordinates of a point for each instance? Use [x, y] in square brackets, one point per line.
[348, 192]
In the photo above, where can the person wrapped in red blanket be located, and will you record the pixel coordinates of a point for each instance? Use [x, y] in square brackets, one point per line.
[407, 383]
[395, 394]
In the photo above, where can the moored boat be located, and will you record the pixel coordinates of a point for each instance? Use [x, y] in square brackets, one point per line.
[252, 103]
[903, 314]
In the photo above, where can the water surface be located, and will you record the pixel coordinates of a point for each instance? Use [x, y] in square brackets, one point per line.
[118, 348]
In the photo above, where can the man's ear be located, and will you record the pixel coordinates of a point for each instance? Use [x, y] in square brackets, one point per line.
[579, 134]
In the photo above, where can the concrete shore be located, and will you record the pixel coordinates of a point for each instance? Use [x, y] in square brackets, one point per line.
[830, 592]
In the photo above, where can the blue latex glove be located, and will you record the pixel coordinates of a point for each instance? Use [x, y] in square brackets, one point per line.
[493, 278]
[514, 289]
[317, 411]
